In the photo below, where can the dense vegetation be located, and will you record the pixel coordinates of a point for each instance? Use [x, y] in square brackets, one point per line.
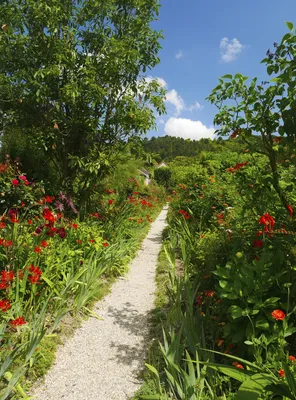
[168, 147]
[229, 328]
[73, 208]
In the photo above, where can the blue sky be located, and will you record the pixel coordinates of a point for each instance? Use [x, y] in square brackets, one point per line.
[195, 32]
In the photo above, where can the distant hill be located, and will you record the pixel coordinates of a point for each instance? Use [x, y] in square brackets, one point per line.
[169, 147]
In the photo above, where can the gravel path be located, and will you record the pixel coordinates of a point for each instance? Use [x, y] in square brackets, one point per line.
[103, 359]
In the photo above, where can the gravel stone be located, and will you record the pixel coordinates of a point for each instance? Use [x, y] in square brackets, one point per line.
[103, 359]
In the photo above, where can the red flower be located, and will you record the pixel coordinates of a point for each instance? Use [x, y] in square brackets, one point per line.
[110, 201]
[18, 321]
[48, 215]
[5, 305]
[44, 243]
[15, 182]
[22, 177]
[292, 358]
[74, 226]
[257, 244]
[281, 373]
[79, 241]
[7, 276]
[291, 211]
[92, 241]
[35, 274]
[49, 199]
[237, 365]
[210, 293]
[105, 244]
[37, 250]
[2, 225]
[3, 167]
[268, 222]
[278, 315]
[199, 300]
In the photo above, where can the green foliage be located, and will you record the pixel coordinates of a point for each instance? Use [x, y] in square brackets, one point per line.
[163, 176]
[53, 265]
[72, 82]
[232, 224]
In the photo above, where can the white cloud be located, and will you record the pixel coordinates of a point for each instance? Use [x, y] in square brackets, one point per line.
[161, 81]
[188, 129]
[179, 55]
[176, 100]
[230, 49]
[196, 106]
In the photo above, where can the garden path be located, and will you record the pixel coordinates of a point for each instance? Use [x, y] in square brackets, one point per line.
[103, 359]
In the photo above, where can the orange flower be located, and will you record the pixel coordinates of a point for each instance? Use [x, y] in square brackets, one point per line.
[281, 373]
[292, 358]
[278, 315]
[210, 293]
[268, 222]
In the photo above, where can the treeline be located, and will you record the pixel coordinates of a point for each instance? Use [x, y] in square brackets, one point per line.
[168, 147]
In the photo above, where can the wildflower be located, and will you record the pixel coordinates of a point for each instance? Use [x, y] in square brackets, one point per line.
[219, 342]
[291, 211]
[74, 226]
[18, 321]
[4, 305]
[292, 358]
[281, 373]
[23, 178]
[110, 201]
[61, 232]
[7, 276]
[92, 241]
[278, 315]
[79, 241]
[37, 249]
[2, 225]
[257, 244]
[210, 293]
[105, 244]
[35, 274]
[199, 300]
[239, 366]
[15, 182]
[49, 199]
[44, 243]
[268, 222]
[3, 167]
[48, 215]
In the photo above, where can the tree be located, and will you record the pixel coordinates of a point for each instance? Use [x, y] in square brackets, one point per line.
[263, 115]
[72, 80]
[163, 176]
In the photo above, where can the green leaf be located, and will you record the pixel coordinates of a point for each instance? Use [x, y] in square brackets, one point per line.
[290, 25]
[223, 284]
[262, 323]
[238, 374]
[236, 312]
[253, 387]
[227, 76]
